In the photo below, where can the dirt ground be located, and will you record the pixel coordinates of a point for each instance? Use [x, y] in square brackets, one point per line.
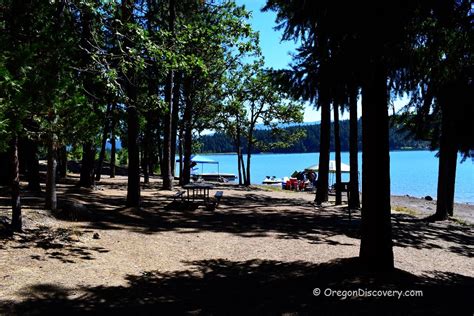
[260, 251]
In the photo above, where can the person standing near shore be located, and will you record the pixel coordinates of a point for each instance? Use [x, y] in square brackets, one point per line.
[313, 178]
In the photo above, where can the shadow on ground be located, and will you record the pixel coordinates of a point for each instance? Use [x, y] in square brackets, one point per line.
[251, 215]
[412, 232]
[248, 215]
[58, 244]
[215, 287]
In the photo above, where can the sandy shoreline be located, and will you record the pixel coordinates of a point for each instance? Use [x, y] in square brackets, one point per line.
[412, 205]
[424, 208]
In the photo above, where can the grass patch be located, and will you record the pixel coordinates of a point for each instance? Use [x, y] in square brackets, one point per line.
[405, 210]
[459, 221]
[270, 188]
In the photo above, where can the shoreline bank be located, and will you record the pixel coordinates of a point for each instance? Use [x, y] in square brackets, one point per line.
[412, 205]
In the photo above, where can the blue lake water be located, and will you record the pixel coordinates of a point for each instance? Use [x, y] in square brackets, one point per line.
[412, 172]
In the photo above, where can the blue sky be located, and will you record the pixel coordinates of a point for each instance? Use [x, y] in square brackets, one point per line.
[277, 53]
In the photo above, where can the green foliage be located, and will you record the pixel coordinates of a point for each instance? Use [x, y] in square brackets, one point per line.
[75, 153]
[216, 41]
[39, 72]
[60, 69]
[254, 98]
[440, 78]
[122, 157]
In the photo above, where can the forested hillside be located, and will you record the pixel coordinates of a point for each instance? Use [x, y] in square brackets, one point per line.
[221, 143]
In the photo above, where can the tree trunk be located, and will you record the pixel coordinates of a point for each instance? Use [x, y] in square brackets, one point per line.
[146, 151]
[242, 166]
[166, 171]
[133, 185]
[325, 136]
[129, 82]
[152, 159]
[354, 200]
[187, 156]
[105, 133]
[174, 121]
[112, 142]
[159, 146]
[188, 136]
[180, 152]
[376, 232]
[145, 164]
[15, 185]
[12, 160]
[337, 149]
[98, 171]
[452, 181]
[447, 164]
[86, 179]
[239, 167]
[239, 153]
[112, 155]
[247, 178]
[149, 157]
[249, 155]
[166, 165]
[446, 182]
[32, 165]
[51, 199]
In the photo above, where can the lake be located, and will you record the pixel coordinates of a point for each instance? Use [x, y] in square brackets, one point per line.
[412, 172]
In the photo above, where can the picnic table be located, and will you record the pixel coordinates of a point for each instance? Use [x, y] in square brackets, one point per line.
[198, 190]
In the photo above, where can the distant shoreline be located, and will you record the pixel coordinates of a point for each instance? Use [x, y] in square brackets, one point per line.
[310, 152]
